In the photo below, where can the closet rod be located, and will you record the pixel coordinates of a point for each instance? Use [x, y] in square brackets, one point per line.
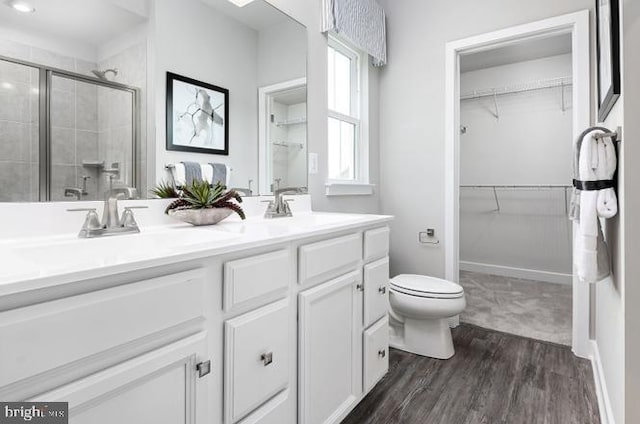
[515, 186]
[521, 88]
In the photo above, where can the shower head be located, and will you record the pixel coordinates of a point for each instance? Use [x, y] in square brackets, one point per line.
[103, 74]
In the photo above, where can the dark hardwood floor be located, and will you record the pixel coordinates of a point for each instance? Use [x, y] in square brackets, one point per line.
[494, 378]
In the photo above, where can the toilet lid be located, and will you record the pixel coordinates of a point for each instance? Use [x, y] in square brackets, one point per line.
[422, 285]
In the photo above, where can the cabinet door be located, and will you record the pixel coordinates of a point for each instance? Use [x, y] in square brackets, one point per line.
[160, 387]
[256, 359]
[376, 291]
[330, 349]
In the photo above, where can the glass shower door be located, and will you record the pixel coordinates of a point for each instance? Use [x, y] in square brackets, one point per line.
[92, 133]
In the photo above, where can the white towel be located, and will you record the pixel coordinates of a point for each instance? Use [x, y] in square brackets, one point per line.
[178, 173]
[596, 160]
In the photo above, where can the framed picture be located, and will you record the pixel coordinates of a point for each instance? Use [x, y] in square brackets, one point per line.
[197, 116]
[608, 51]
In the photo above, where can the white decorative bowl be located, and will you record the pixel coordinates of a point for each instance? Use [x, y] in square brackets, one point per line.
[208, 216]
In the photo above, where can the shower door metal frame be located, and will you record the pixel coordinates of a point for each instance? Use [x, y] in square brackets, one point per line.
[45, 78]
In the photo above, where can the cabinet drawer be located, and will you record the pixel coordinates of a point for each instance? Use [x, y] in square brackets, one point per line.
[376, 291]
[251, 278]
[330, 258]
[256, 359]
[376, 353]
[376, 243]
[43, 337]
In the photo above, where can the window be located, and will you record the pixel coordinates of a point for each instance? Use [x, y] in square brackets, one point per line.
[347, 140]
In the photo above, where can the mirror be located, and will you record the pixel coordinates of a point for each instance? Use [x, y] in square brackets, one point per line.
[82, 85]
[253, 67]
[73, 77]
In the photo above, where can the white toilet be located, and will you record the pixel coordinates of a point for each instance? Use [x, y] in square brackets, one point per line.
[420, 307]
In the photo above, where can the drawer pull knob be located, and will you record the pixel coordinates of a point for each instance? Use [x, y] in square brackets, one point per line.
[203, 368]
[382, 353]
[382, 290]
[360, 287]
[266, 358]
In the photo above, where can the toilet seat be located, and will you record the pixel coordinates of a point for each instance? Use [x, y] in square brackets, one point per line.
[427, 287]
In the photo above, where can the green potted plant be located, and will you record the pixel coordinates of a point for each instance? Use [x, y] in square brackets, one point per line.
[200, 203]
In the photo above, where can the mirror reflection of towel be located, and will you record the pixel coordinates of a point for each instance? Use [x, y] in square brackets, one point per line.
[192, 171]
[219, 173]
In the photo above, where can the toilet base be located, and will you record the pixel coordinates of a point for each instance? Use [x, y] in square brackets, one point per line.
[430, 338]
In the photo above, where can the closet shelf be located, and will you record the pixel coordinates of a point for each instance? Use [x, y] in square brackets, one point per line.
[541, 84]
[287, 144]
[288, 122]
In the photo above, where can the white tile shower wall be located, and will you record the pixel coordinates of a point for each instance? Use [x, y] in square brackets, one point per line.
[18, 121]
[531, 233]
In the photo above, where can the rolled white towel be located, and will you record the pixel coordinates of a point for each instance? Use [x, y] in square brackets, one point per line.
[607, 204]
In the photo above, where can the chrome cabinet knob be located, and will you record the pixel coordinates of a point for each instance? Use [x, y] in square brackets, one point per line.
[266, 358]
[382, 290]
[382, 353]
[360, 287]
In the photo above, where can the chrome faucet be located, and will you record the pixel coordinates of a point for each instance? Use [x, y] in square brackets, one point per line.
[279, 208]
[73, 192]
[112, 223]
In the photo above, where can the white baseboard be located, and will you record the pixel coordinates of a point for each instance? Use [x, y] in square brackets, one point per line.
[507, 271]
[604, 404]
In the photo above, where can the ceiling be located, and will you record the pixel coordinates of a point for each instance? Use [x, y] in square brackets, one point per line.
[524, 50]
[258, 14]
[90, 21]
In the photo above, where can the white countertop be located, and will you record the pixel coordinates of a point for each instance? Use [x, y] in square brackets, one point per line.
[35, 263]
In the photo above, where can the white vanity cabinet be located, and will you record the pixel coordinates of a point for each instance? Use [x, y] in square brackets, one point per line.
[343, 327]
[277, 332]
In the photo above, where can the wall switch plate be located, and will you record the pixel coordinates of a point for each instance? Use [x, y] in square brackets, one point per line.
[313, 163]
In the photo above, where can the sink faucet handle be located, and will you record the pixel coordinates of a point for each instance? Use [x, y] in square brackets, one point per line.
[91, 221]
[82, 210]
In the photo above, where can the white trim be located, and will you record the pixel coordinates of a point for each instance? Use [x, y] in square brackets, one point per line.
[348, 189]
[576, 24]
[507, 271]
[359, 115]
[604, 402]
[264, 151]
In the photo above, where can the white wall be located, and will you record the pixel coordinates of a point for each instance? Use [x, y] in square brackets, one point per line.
[530, 143]
[631, 151]
[194, 40]
[412, 104]
[282, 53]
[617, 313]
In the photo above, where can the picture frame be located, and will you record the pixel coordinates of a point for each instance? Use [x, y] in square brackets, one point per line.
[197, 116]
[608, 55]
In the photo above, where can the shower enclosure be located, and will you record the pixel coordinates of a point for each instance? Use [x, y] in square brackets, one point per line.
[64, 135]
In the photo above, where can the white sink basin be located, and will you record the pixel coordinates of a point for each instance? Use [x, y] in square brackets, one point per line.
[75, 253]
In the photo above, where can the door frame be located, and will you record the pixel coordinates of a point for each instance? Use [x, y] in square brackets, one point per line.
[264, 149]
[576, 24]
